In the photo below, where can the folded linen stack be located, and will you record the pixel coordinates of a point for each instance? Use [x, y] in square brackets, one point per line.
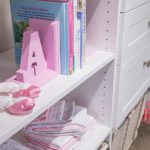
[61, 131]
[12, 145]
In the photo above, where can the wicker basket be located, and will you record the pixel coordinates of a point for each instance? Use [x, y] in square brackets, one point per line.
[132, 128]
[119, 136]
[124, 136]
[140, 116]
[141, 111]
[104, 146]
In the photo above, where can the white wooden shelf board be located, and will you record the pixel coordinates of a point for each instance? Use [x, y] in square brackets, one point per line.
[93, 139]
[53, 92]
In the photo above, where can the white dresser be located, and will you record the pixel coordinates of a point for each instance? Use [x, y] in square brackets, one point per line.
[132, 76]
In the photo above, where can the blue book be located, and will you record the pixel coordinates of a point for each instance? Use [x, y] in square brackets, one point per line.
[22, 10]
[80, 16]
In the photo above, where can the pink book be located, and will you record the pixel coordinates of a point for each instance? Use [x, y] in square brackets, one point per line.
[71, 31]
[50, 39]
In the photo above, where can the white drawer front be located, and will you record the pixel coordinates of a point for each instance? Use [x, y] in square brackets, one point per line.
[127, 5]
[133, 76]
[147, 64]
[135, 32]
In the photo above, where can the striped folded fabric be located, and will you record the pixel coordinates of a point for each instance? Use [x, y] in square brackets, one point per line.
[57, 143]
[74, 128]
[12, 145]
[61, 112]
[71, 129]
[55, 133]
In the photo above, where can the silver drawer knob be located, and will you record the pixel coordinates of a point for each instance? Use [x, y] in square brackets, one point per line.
[147, 64]
[149, 24]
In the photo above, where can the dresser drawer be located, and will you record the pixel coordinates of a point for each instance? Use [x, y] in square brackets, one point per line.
[134, 32]
[132, 78]
[127, 5]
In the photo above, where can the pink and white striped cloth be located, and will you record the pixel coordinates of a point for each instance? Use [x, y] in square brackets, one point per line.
[57, 143]
[12, 145]
[62, 111]
[47, 128]
[59, 132]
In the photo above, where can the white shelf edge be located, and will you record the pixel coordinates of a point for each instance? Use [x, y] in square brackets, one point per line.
[53, 92]
[91, 141]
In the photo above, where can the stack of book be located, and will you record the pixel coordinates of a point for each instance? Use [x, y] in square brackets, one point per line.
[68, 15]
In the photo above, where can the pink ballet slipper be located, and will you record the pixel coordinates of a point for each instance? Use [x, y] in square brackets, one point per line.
[22, 107]
[32, 92]
[18, 94]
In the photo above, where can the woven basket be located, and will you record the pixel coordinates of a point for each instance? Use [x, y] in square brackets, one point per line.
[124, 136]
[104, 146]
[132, 128]
[119, 136]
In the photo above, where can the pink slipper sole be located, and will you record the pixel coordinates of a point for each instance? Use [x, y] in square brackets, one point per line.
[23, 107]
[32, 92]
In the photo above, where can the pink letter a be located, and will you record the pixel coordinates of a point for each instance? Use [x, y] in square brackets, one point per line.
[32, 58]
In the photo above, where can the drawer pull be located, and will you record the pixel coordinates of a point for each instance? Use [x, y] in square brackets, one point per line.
[149, 24]
[147, 64]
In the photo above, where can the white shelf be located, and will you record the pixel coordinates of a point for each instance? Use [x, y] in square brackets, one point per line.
[51, 93]
[91, 141]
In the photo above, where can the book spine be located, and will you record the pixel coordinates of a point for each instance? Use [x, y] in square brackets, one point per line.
[70, 35]
[77, 46]
[82, 18]
[76, 54]
[65, 52]
[80, 36]
[57, 46]
[84, 32]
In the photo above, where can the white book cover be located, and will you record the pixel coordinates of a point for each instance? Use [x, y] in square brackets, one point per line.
[82, 17]
[76, 37]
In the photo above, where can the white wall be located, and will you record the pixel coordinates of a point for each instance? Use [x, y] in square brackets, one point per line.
[6, 40]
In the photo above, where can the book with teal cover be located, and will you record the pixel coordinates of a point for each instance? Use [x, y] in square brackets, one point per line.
[22, 10]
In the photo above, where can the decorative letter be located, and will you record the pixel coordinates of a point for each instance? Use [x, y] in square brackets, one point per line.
[32, 58]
